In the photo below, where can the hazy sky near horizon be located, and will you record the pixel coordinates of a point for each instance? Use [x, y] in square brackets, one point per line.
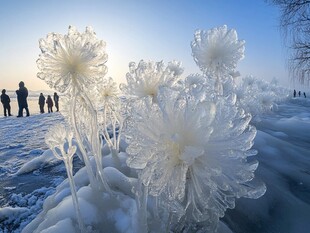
[139, 29]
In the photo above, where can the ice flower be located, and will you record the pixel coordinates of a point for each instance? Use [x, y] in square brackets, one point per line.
[74, 60]
[194, 151]
[217, 50]
[175, 67]
[166, 140]
[58, 137]
[258, 96]
[108, 93]
[109, 113]
[145, 79]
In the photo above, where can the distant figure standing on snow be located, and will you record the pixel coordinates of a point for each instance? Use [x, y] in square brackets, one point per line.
[294, 93]
[305, 95]
[56, 99]
[5, 100]
[50, 104]
[41, 102]
[22, 94]
[299, 93]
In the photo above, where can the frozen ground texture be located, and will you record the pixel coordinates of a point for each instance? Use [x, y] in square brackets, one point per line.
[164, 153]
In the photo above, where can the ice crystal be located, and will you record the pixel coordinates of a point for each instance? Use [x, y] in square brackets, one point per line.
[172, 137]
[56, 138]
[217, 50]
[266, 95]
[189, 141]
[145, 79]
[72, 60]
[108, 94]
[194, 151]
[110, 117]
[75, 64]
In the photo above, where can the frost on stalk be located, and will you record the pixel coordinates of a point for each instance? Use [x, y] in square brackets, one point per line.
[110, 119]
[75, 64]
[145, 79]
[75, 60]
[60, 142]
[217, 50]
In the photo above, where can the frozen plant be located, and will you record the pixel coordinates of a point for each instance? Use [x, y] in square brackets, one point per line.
[74, 64]
[188, 141]
[217, 50]
[194, 151]
[145, 79]
[59, 141]
[267, 95]
[109, 113]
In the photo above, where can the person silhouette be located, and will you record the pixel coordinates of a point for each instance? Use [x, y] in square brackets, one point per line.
[299, 93]
[50, 104]
[305, 95]
[22, 94]
[56, 100]
[41, 102]
[5, 100]
[294, 93]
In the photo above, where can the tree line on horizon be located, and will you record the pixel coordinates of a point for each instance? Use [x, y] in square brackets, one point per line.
[295, 27]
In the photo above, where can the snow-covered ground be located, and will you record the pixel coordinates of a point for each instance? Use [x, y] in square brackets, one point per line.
[30, 173]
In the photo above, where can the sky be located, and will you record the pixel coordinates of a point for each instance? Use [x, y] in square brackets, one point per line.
[152, 30]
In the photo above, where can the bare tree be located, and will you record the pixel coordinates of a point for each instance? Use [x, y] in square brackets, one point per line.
[295, 25]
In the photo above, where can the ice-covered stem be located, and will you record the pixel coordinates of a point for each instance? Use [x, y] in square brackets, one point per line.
[68, 163]
[80, 144]
[120, 131]
[116, 121]
[105, 130]
[94, 137]
[141, 202]
[67, 157]
[95, 143]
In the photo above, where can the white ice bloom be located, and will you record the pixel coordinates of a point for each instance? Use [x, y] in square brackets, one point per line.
[108, 93]
[259, 96]
[72, 60]
[145, 79]
[57, 137]
[194, 152]
[199, 86]
[217, 50]
[175, 67]
[167, 139]
[223, 173]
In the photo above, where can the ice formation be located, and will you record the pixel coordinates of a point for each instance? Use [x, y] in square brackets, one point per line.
[72, 62]
[188, 148]
[217, 50]
[267, 95]
[145, 79]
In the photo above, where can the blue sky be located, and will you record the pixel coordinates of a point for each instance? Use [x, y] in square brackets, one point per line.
[139, 29]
